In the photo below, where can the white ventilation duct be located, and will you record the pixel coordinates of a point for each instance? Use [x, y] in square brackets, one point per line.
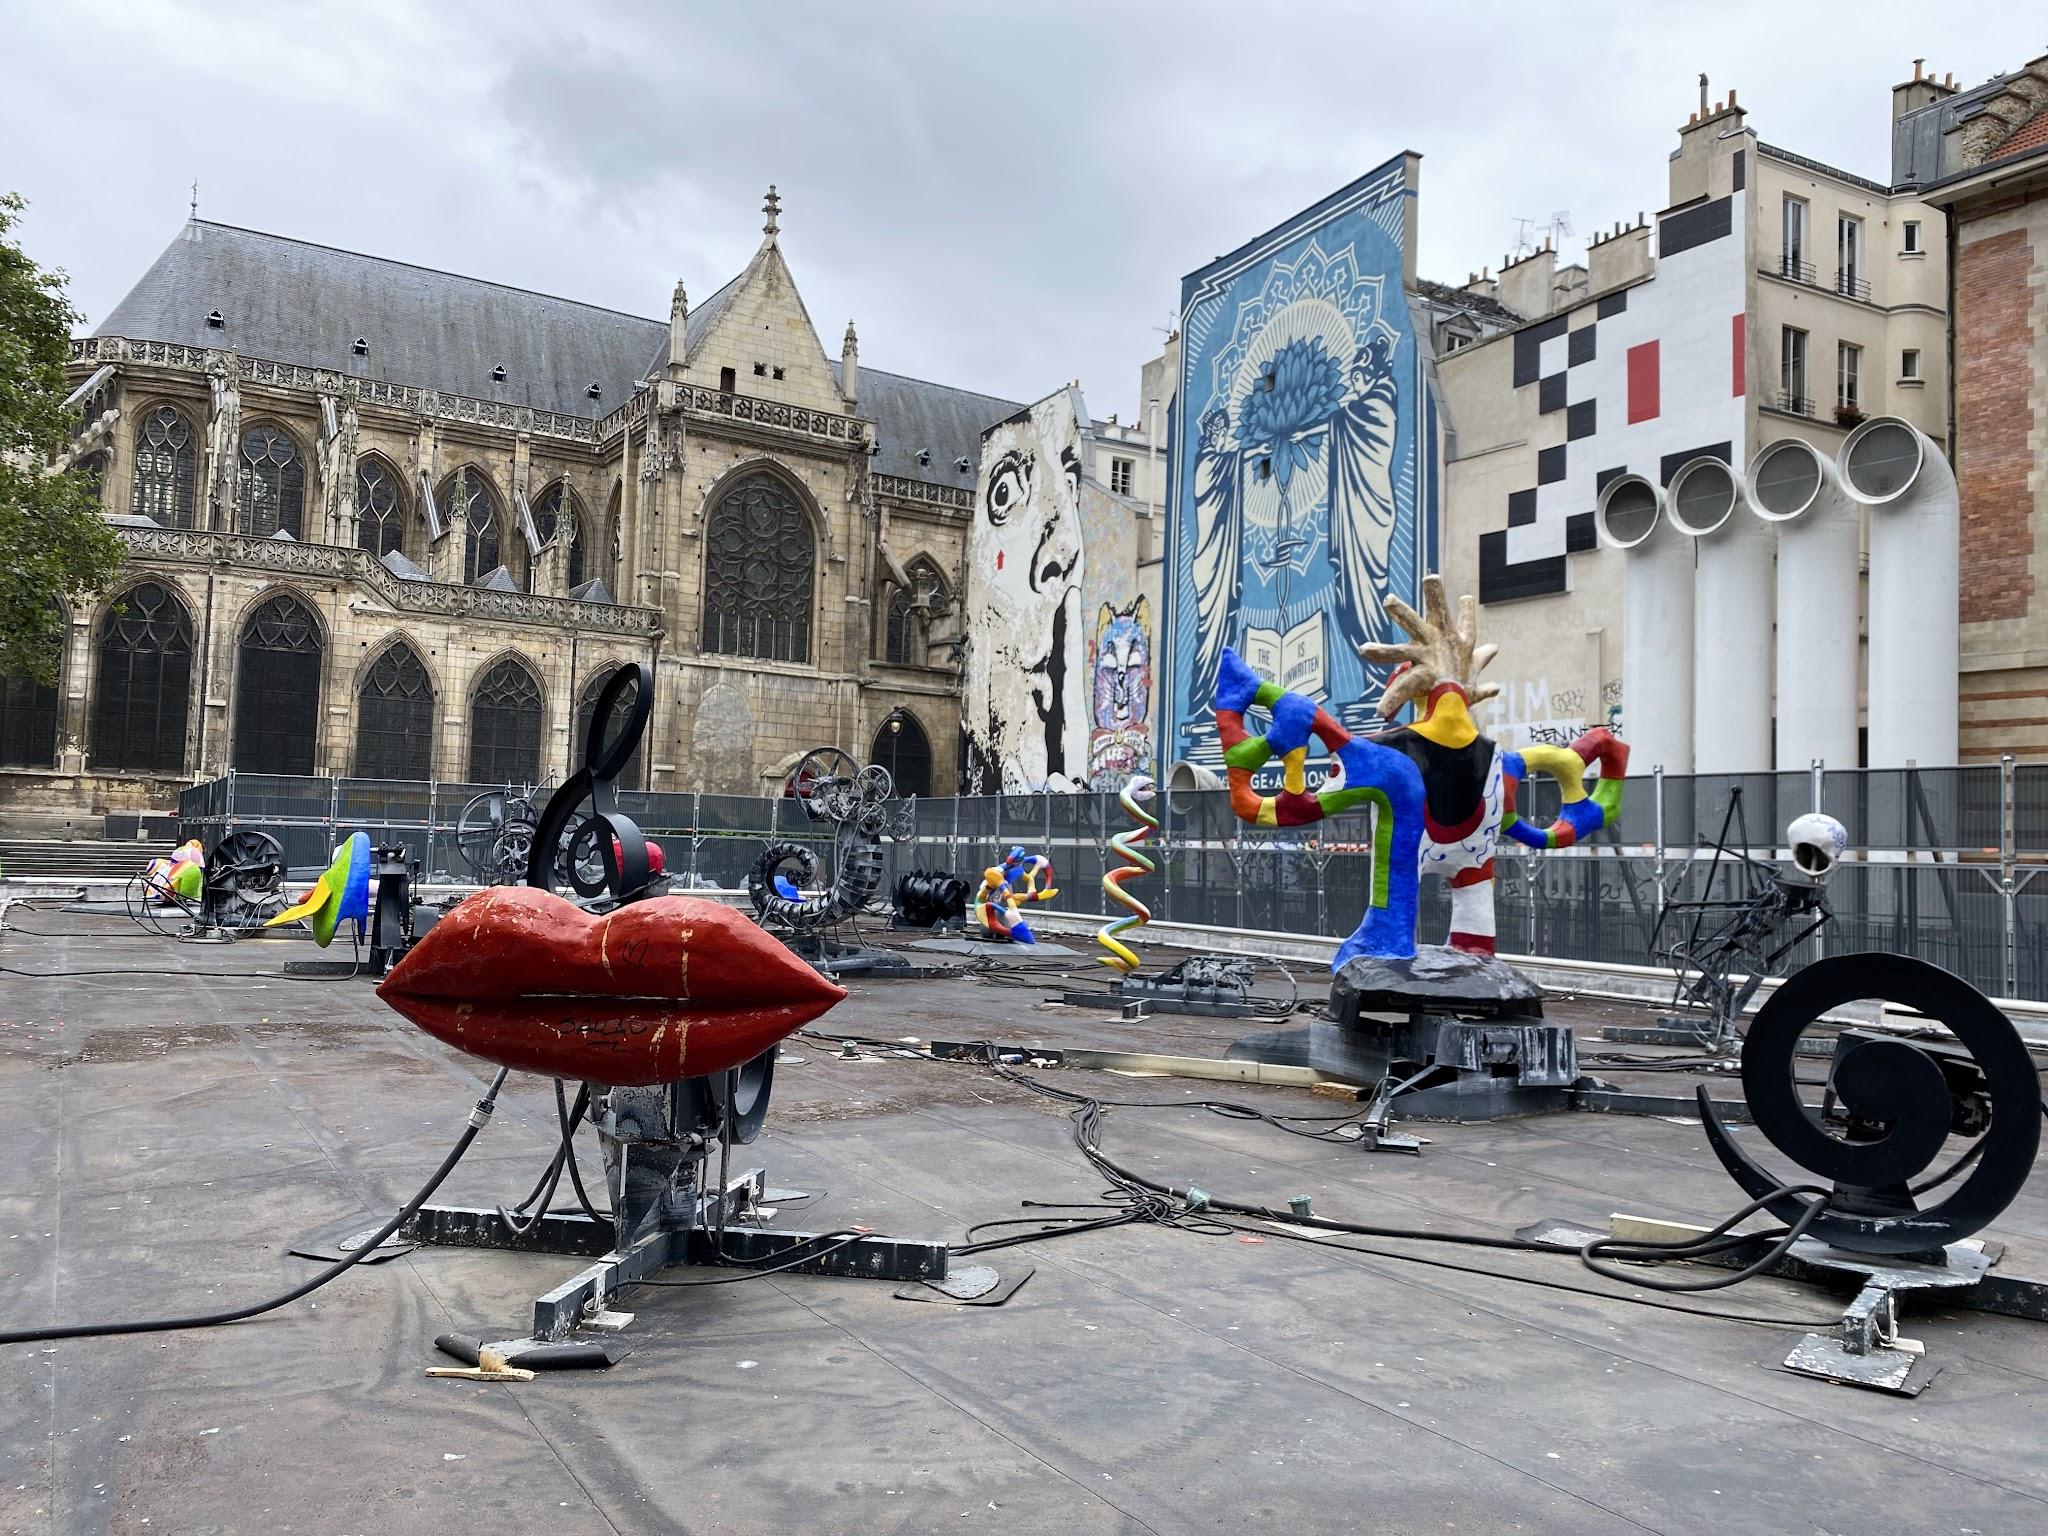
[1656, 642]
[1733, 588]
[1792, 484]
[1915, 648]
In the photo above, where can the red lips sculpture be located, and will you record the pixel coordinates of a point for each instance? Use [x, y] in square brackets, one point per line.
[655, 991]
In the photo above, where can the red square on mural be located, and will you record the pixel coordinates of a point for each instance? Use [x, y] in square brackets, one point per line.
[1642, 382]
[1738, 354]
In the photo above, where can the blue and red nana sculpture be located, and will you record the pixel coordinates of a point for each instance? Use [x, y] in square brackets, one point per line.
[1443, 792]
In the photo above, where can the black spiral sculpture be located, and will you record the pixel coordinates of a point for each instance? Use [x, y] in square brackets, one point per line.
[604, 854]
[833, 789]
[925, 898]
[1899, 1103]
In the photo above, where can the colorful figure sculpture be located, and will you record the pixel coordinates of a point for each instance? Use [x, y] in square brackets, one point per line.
[339, 895]
[179, 877]
[999, 904]
[1444, 792]
[1121, 956]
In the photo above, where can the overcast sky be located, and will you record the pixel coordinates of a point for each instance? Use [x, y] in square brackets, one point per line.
[1003, 196]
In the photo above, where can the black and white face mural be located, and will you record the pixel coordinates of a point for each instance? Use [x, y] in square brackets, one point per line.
[1026, 716]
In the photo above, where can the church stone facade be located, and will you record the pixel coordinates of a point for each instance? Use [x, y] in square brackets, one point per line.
[392, 523]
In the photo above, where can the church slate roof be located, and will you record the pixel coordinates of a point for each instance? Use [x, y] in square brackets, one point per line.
[293, 301]
[913, 416]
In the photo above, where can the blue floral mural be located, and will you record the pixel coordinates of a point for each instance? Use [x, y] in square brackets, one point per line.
[1297, 507]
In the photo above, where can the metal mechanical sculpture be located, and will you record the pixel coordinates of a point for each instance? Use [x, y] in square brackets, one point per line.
[855, 801]
[668, 1009]
[495, 835]
[1727, 922]
[244, 883]
[1860, 1205]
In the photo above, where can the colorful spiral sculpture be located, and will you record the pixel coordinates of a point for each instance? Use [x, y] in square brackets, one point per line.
[1136, 914]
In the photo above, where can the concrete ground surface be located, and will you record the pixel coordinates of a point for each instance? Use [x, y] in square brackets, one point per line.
[169, 1125]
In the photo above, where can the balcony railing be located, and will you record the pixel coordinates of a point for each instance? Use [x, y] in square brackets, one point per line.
[1798, 405]
[199, 546]
[1850, 286]
[1795, 270]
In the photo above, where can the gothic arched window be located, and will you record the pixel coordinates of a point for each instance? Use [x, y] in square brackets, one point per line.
[142, 685]
[166, 467]
[270, 486]
[612, 525]
[94, 467]
[471, 508]
[395, 717]
[903, 641]
[902, 747]
[380, 507]
[277, 688]
[555, 502]
[586, 706]
[28, 722]
[504, 726]
[758, 557]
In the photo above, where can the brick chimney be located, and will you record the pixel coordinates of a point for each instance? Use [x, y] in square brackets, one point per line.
[1920, 91]
[1528, 284]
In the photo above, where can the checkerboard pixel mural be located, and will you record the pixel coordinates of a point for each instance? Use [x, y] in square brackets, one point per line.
[1639, 380]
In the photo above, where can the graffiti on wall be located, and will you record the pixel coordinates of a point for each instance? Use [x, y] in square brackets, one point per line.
[1120, 658]
[1531, 712]
[1058, 686]
[1026, 729]
[1298, 503]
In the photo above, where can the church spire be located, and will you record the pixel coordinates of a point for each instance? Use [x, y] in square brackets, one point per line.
[678, 327]
[772, 206]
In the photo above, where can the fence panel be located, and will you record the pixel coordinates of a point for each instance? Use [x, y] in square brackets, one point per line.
[1592, 902]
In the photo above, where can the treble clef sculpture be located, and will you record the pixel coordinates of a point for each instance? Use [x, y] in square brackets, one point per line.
[606, 834]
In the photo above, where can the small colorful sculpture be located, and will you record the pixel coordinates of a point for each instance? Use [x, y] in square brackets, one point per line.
[179, 877]
[1121, 956]
[999, 904]
[1443, 792]
[341, 894]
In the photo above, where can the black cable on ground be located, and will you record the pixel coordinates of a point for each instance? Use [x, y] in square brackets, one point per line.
[1718, 1240]
[846, 1240]
[1136, 1198]
[479, 1117]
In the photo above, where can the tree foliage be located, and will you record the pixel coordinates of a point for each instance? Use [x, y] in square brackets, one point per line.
[53, 540]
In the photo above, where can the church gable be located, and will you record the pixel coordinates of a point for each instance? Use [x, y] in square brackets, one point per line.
[763, 334]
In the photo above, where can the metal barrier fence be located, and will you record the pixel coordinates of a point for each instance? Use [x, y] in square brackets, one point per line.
[1943, 862]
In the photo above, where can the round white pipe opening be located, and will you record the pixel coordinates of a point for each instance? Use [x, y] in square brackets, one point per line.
[1627, 511]
[1881, 460]
[1702, 496]
[1785, 480]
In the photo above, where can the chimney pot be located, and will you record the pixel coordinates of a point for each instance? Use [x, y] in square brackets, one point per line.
[1916, 67]
[1731, 98]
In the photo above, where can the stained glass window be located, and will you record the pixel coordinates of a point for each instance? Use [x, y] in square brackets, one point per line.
[94, 467]
[270, 491]
[904, 637]
[586, 706]
[142, 686]
[395, 717]
[758, 557]
[469, 505]
[166, 467]
[380, 507]
[547, 514]
[277, 688]
[504, 726]
[28, 722]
